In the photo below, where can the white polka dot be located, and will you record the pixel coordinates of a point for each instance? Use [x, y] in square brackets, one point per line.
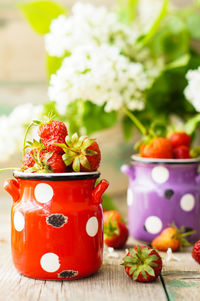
[129, 197]
[160, 174]
[19, 221]
[187, 202]
[92, 226]
[153, 224]
[50, 262]
[43, 193]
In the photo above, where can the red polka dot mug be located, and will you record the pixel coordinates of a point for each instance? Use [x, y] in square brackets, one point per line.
[56, 224]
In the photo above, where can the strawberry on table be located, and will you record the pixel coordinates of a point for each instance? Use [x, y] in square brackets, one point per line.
[142, 264]
[115, 233]
[171, 237]
[158, 148]
[180, 138]
[196, 251]
[82, 154]
[112, 215]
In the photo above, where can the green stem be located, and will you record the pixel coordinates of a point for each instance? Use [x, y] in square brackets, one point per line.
[9, 168]
[137, 123]
[25, 136]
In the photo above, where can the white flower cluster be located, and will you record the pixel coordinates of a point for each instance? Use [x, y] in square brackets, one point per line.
[13, 128]
[101, 75]
[192, 91]
[88, 25]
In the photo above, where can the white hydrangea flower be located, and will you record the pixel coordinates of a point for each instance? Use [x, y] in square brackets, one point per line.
[13, 128]
[192, 91]
[101, 75]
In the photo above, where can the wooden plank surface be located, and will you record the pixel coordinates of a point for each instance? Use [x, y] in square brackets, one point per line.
[180, 279]
[110, 282]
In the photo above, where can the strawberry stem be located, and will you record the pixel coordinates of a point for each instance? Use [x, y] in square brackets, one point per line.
[137, 123]
[9, 168]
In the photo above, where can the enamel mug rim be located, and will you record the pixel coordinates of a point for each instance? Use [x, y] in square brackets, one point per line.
[138, 158]
[66, 176]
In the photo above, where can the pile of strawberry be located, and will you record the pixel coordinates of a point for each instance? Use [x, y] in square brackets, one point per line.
[177, 146]
[57, 152]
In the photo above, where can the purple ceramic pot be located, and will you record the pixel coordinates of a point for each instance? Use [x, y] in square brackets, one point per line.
[161, 192]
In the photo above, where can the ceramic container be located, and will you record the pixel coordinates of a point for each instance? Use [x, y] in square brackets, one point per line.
[161, 192]
[56, 224]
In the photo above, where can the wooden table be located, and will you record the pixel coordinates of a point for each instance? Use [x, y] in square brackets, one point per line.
[180, 280]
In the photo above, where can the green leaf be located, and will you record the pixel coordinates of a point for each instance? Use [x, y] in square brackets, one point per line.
[155, 26]
[192, 124]
[108, 203]
[40, 14]
[94, 118]
[182, 61]
[53, 63]
[193, 24]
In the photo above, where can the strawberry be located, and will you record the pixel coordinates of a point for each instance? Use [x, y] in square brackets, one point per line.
[53, 127]
[171, 237]
[36, 146]
[53, 132]
[111, 214]
[181, 152]
[82, 154]
[157, 148]
[196, 251]
[28, 159]
[180, 138]
[115, 233]
[142, 264]
[44, 162]
[50, 143]
[54, 163]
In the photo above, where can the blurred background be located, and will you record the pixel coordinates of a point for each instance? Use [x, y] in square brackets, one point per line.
[23, 79]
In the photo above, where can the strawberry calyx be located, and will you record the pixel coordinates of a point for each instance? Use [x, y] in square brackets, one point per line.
[76, 151]
[110, 228]
[41, 165]
[181, 234]
[140, 261]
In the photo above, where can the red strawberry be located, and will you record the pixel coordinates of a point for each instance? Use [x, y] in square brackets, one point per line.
[82, 154]
[180, 138]
[112, 215]
[28, 160]
[115, 233]
[47, 162]
[181, 152]
[52, 128]
[54, 163]
[50, 143]
[171, 237]
[157, 148]
[196, 251]
[53, 132]
[142, 264]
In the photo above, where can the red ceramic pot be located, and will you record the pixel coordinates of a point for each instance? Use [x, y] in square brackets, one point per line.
[56, 223]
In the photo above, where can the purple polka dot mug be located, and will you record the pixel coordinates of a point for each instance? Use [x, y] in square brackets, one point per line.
[162, 191]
